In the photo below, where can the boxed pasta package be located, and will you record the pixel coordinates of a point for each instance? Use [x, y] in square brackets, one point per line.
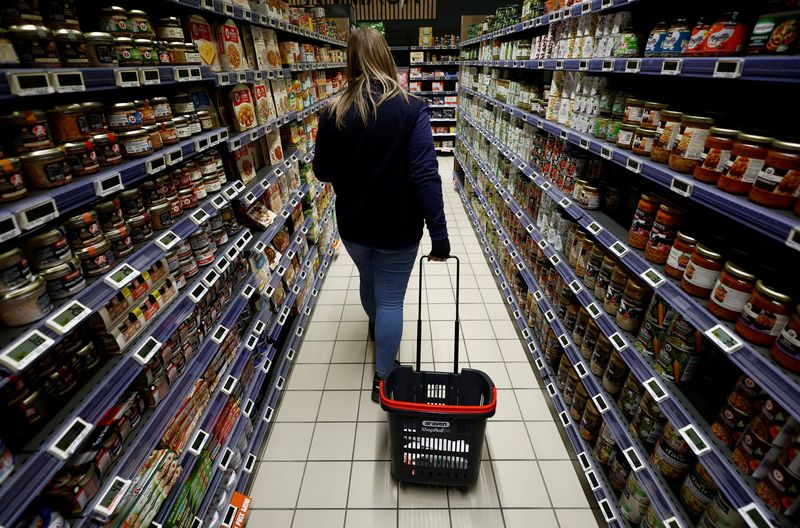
[265, 110]
[229, 47]
[245, 159]
[273, 50]
[275, 148]
[242, 109]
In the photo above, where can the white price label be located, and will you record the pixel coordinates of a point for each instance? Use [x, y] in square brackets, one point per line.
[728, 68]
[147, 350]
[681, 186]
[149, 76]
[120, 276]
[723, 338]
[126, 78]
[68, 317]
[633, 459]
[68, 81]
[108, 184]
[671, 67]
[69, 439]
[37, 215]
[25, 350]
[633, 65]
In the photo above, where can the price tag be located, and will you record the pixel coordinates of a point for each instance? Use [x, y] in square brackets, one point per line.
[38, 214]
[681, 186]
[219, 334]
[564, 416]
[633, 65]
[25, 350]
[225, 458]
[155, 165]
[586, 7]
[633, 459]
[605, 507]
[593, 310]
[280, 384]
[68, 81]
[24, 84]
[258, 329]
[618, 341]
[8, 228]
[230, 383]
[207, 4]
[199, 217]
[591, 478]
[543, 243]
[656, 389]
[551, 390]
[210, 278]
[147, 350]
[218, 202]
[549, 316]
[197, 294]
[600, 403]
[268, 414]
[755, 517]
[555, 259]
[174, 156]
[249, 464]
[672, 522]
[120, 276]
[728, 68]
[594, 228]
[723, 338]
[235, 145]
[618, 248]
[126, 78]
[695, 439]
[111, 497]
[68, 317]
[652, 277]
[186, 73]
[563, 340]
[230, 515]
[575, 286]
[584, 461]
[671, 66]
[167, 241]
[149, 76]
[69, 439]
[108, 184]
[537, 296]
[633, 165]
[565, 202]
[251, 342]
[546, 186]
[197, 522]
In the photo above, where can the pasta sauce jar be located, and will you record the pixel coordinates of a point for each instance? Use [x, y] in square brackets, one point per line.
[764, 316]
[701, 272]
[786, 349]
[731, 292]
[747, 158]
[666, 136]
[779, 180]
[690, 142]
[716, 154]
[662, 234]
[643, 220]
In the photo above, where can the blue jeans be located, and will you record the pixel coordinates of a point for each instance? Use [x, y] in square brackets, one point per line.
[384, 278]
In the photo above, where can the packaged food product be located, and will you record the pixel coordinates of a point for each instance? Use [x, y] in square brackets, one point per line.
[35, 46]
[12, 184]
[273, 138]
[259, 47]
[263, 100]
[731, 292]
[128, 52]
[634, 501]
[764, 316]
[643, 219]
[701, 272]
[28, 130]
[72, 47]
[229, 46]
[643, 141]
[676, 39]
[46, 168]
[280, 97]
[26, 304]
[95, 116]
[632, 305]
[107, 149]
[136, 144]
[748, 155]
[786, 349]
[725, 36]
[202, 34]
[68, 123]
[662, 234]
[273, 50]
[169, 29]
[715, 156]
[81, 158]
[690, 141]
[778, 181]
[65, 280]
[243, 110]
[101, 48]
[666, 136]
[775, 33]
[657, 35]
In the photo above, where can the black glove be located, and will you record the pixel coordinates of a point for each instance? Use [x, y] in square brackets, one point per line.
[440, 248]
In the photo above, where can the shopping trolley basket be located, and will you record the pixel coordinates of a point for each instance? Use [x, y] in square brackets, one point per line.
[437, 420]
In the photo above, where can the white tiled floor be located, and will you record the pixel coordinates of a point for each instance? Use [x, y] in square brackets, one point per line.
[326, 462]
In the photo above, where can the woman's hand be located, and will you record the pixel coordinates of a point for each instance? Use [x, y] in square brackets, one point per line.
[440, 250]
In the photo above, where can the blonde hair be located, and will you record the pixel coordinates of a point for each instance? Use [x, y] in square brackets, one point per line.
[369, 65]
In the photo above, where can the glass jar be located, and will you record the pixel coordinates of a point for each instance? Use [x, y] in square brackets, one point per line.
[701, 272]
[764, 316]
[46, 168]
[643, 219]
[102, 49]
[161, 109]
[634, 109]
[731, 292]
[128, 53]
[612, 130]
[643, 141]
[107, 149]
[28, 130]
[122, 117]
[625, 136]
[147, 51]
[690, 142]
[654, 39]
[182, 104]
[83, 230]
[72, 48]
[96, 259]
[131, 203]
[12, 183]
[164, 52]
[662, 234]
[168, 134]
[616, 288]
[716, 153]
[49, 248]
[786, 349]
[748, 155]
[206, 121]
[135, 144]
[604, 277]
[651, 116]
[177, 52]
[68, 123]
[778, 181]
[589, 196]
[182, 130]
[114, 19]
[95, 116]
[145, 111]
[631, 307]
[35, 46]
[666, 136]
[191, 54]
[140, 23]
[679, 255]
[81, 158]
[155, 136]
[169, 29]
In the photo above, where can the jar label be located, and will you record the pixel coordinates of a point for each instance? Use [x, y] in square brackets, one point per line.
[661, 238]
[137, 146]
[699, 276]
[667, 135]
[789, 342]
[744, 168]
[123, 120]
[690, 143]
[729, 298]
[715, 159]
[624, 138]
[642, 223]
[778, 181]
[678, 259]
[56, 172]
[763, 321]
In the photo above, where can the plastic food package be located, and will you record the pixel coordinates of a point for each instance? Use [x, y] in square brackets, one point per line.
[229, 47]
[202, 34]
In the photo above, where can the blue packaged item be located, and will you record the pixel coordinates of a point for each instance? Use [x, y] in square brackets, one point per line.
[676, 39]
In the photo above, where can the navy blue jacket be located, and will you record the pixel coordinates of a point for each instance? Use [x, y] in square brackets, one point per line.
[385, 175]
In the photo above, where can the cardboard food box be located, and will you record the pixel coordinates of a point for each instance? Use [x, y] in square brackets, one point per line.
[242, 108]
[229, 47]
[202, 34]
[425, 30]
[273, 49]
[417, 57]
[415, 87]
[280, 96]
[263, 99]
[275, 147]
[437, 86]
[425, 40]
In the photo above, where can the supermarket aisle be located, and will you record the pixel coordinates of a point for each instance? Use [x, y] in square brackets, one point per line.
[326, 463]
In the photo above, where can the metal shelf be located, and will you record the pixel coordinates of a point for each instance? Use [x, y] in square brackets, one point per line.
[433, 48]
[39, 207]
[436, 63]
[249, 76]
[583, 8]
[751, 68]
[268, 175]
[781, 226]
[442, 119]
[752, 360]
[736, 488]
[657, 490]
[444, 134]
[601, 490]
[446, 92]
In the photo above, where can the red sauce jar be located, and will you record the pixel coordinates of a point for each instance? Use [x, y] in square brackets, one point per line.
[679, 255]
[701, 272]
[716, 154]
[778, 182]
[663, 233]
[731, 292]
[786, 349]
[747, 158]
[643, 219]
[765, 315]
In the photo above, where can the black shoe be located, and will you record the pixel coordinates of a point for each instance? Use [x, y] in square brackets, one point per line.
[376, 388]
[371, 331]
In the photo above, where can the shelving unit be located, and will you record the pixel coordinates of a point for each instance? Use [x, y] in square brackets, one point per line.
[483, 123]
[225, 349]
[422, 77]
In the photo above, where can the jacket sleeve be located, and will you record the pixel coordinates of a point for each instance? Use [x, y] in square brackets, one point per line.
[424, 174]
[324, 151]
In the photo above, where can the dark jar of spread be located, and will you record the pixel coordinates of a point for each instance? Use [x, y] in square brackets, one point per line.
[716, 154]
[14, 270]
[701, 272]
[68, 123]
[72, 48]
[616, 288]
[786, 349]
[121, 242]
[128, 52]
[95, 116]
[135, 144]
[731, 292]
[46, 168]
[643, 141]
[662, 234]
[764, 316]
[122, 117]
[64, 280]
[778, 181]
[631, 307]
[26, 304]
[747, 158]
[12, 183]
[96, 259]
[131, 203]
[643, 219]
[28, 130]
[102, 52]
[48, 249]
[83, 230]
[109, 214]
[81, 158]
[690, 142]
[162, 111]
[35, 46]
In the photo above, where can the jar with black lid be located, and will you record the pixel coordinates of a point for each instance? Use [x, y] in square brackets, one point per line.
[107, 150]
[81, 158]
[170, 29]
[140, 23]
[141, 230]
[109, 214]
[102, 49]
[29, 130]
[72, 47]
[95, 116]
[182, 104]
[35, 46]
[12, 184]
[131, 203]
[121, 242]
[83, 230]
[64, 280]
[48, 249]
[14, 270]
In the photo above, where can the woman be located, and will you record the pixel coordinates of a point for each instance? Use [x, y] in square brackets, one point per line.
[374, 144]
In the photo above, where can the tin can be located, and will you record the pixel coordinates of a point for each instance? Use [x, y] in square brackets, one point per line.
[733, 418]
[781, 490]
[653, 332]
[630, 397]
[697, 491]
[672, 454]
[634, 501]
[683, 350]
[606, 447]
[648, 421]
[720, 514]
[650, 519]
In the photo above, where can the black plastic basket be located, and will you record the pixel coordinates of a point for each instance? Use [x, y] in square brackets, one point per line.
[437, 420]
